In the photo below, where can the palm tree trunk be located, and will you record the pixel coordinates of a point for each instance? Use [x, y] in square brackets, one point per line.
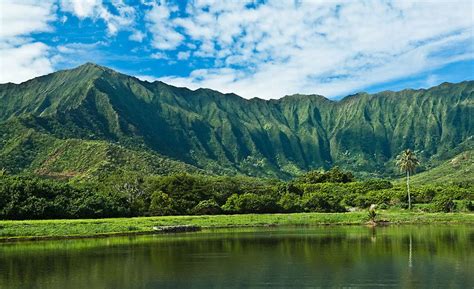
[408, 190]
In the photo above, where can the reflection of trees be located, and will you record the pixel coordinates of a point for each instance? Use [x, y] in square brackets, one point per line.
[328, 257]
[410, 250]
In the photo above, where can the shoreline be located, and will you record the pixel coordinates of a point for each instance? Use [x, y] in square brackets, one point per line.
[41, 230]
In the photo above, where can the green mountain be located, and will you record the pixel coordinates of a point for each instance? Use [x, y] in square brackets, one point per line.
[90, 111]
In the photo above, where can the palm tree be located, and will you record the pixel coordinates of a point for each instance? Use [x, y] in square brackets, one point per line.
[407, 162]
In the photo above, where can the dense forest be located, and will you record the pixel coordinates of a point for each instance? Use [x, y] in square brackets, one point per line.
[30, 197]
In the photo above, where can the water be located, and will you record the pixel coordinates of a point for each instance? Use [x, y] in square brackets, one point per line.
[304, 257]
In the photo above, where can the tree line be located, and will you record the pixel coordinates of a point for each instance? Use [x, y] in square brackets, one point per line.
[129, 194]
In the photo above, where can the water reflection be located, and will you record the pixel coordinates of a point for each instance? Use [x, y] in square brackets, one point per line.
[410, 255]
[273, 258]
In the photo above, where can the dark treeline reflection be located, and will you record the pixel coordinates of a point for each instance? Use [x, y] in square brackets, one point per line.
[403, 257]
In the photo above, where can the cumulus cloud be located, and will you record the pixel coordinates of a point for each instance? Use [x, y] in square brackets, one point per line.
[21, 57]
[122, 19]
[23, 62]
[165, 37]
[261, 49]
[328, 47]
[159, 55]
[137, 36]
[183, 55]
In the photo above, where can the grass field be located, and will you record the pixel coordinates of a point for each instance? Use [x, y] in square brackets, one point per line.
[43, 229]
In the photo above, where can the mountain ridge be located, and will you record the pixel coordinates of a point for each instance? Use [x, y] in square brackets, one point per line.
[105, 68]
[227, 133]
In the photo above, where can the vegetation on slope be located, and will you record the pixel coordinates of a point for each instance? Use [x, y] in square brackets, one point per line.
[24, 150]
[456, 170]
[225, 134]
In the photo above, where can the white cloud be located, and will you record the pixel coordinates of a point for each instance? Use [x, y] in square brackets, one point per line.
[137, 36]
[21, 58]
[326, 47]
[164, 35]
[146, 77]
[23, 62]
[182, 55]
[159, 55]
[82, 8]
[124, 19]
[255, 49]
[77, 53]
[24, 17]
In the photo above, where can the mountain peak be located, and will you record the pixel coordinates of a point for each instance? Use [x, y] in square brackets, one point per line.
[92, 66]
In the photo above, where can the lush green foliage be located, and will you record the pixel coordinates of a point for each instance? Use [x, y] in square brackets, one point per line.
[92, 121]
[335, 175]
[32, 198]
[184, 194]
[457, 169]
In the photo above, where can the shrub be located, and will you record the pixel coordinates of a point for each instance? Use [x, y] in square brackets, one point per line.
[372, 214]
[424, 194]
[321, 202]
[377, 184]
[232, 204]
[362, 201]
[161, 204]
[465, 206]
[250, 203]
[443, 203]
[207, 207]
[290, 202]
[334, 175]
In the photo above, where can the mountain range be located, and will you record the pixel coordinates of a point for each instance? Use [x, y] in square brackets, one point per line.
[92, 120]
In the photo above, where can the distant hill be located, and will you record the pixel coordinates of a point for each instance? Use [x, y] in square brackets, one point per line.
[24, 149]
[92, 118]
[456, 170]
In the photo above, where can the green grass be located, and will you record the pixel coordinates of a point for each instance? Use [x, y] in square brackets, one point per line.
[43, 229]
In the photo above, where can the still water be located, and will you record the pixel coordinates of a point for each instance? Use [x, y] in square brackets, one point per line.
[299, 257]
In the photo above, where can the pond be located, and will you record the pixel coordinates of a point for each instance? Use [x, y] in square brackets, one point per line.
[297, 257]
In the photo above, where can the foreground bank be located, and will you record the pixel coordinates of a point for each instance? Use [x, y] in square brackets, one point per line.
[44, 229]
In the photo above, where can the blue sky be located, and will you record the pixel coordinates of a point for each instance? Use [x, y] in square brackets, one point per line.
[264, 49]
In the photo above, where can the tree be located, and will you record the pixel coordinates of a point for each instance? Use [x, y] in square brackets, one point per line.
[207, 207]
[161, 204]
[407, 163]
[334, 175]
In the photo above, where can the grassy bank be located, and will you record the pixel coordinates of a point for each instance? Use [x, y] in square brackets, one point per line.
[43, 229]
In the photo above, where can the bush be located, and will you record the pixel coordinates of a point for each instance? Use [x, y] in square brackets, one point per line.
[232, 205]
[161, 204]
[250, 203]
[321, 202]
[290, 202]
[424, 195]
[465, 206]
[207, 207]
[443, 203]
[377, 184]
[334, 175]
[372, 214]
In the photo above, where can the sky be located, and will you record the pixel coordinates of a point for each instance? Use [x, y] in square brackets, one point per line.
[265, 49]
